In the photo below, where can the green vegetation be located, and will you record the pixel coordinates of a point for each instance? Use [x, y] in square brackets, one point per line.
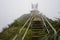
[9, 33]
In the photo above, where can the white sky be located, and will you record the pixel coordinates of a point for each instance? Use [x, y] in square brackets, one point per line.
[12, 9]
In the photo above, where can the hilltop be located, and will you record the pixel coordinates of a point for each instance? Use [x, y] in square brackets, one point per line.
[9, 33]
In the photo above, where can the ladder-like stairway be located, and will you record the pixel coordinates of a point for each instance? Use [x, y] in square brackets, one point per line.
[38, 31]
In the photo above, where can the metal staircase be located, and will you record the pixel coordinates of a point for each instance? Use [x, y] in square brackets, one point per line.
[38, 27]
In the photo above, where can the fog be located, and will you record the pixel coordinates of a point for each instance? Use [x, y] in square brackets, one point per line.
[12, 9]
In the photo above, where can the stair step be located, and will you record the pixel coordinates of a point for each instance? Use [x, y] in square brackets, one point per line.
[36, 28]
[36, 36]
[38, 25]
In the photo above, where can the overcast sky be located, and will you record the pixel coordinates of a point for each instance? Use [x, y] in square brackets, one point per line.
[12, 9]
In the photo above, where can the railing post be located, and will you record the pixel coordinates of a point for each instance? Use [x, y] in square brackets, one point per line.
[55, 36]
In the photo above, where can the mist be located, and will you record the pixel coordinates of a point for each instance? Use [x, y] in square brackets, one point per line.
[13, 9]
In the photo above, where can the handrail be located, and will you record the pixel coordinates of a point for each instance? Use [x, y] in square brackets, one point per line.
[27, 29]
[15, 37]
[45, 25]
[24, 25]
[55, 32]
[21, 29]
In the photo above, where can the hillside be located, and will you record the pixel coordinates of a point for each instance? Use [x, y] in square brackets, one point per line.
[9, 33]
